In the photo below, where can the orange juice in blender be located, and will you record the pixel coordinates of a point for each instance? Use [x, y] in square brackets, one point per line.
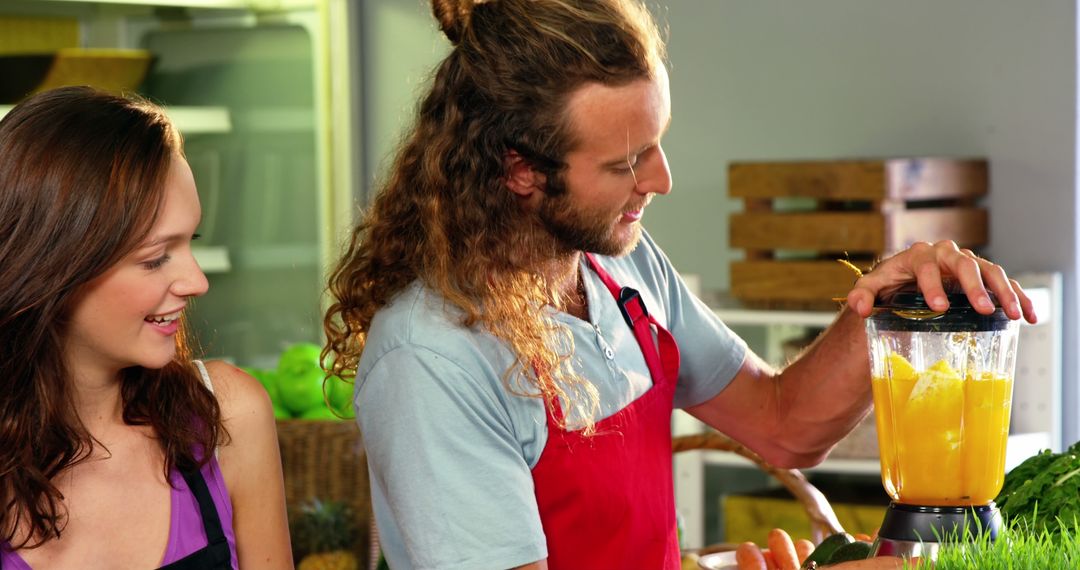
[942, 384]
[934, 421]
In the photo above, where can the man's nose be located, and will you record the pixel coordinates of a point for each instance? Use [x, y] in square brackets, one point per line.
[656, 178]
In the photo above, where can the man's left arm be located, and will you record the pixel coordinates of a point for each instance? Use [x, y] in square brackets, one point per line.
[793, 417]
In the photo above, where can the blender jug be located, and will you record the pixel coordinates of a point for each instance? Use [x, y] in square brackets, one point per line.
[942, 385]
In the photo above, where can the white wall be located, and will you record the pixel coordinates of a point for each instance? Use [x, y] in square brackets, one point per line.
[400, 47]
[772, 79]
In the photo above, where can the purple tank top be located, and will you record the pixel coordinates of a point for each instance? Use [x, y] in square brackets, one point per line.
[186, 532]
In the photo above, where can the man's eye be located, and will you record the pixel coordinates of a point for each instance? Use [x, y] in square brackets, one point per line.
[626, 167]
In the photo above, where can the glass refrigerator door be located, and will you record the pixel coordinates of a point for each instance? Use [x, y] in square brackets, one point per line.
[276, 186]
[258, 183]
[255, 87]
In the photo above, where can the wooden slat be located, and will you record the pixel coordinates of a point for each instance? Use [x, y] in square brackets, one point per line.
[862, 232]
[937, 178]
[822, 231]
[904, 178]
[835, 180]
[805, 281]
[968, 227]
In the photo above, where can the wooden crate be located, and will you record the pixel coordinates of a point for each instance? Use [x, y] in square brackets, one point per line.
[860, 210]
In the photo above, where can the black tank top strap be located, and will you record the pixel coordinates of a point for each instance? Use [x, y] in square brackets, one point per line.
[211, 520]
[216, 555]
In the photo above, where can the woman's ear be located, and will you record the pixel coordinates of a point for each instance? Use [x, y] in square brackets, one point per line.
[521, 178]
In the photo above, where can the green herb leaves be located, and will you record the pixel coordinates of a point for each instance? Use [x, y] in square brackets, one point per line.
[1044, 491]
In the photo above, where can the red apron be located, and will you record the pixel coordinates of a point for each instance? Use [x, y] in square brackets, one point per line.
[607, 500]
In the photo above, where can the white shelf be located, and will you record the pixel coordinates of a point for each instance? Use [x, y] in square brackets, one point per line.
[212, 259]
[200, 120]
[277, 119]
[770, 317]
[189, 120]
[217, 259]
[278, 256]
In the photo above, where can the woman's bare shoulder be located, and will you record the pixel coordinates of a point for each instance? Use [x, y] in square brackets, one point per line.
[259, 513]
[240, 396]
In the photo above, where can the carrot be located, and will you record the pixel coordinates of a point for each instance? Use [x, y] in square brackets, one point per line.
[749, 557]
[863, 537]
[770, 562]
[783, 550]
[803, 548]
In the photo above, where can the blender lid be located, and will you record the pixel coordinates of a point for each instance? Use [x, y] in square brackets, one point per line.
[909, 297]
[905, 308]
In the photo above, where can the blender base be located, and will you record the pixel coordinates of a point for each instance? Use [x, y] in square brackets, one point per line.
[911, 530]
[904, 548]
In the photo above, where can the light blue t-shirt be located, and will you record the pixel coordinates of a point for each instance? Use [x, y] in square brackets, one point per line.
[450, 449]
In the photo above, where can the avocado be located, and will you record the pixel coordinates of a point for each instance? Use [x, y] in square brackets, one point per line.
[857, 550]
[824, 551]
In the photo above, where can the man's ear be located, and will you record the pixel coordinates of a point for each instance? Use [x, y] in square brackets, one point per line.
[521, 178]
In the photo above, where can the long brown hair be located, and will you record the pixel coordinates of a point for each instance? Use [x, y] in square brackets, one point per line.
[82, 178]
[444, 215]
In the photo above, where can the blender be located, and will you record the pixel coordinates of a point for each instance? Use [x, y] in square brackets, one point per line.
[942, 384]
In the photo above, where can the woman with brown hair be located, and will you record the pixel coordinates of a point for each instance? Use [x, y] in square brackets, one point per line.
[117, 450]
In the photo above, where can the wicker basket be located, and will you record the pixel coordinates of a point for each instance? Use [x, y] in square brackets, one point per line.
[325, 459]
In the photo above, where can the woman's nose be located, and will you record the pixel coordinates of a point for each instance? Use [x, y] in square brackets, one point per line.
[192, 281]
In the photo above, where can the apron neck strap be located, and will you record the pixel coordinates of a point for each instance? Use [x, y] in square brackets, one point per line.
[629, 300]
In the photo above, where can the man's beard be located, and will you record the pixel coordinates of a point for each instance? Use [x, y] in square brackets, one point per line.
[574, 229]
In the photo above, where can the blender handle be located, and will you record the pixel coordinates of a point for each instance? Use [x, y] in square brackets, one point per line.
[823, 521]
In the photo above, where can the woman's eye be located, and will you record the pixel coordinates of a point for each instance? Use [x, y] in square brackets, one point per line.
[156, 263]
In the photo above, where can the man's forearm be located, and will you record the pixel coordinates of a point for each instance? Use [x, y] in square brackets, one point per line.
[793, 417]
[825, 392]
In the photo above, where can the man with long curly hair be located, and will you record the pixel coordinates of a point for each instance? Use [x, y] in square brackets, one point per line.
[519, 342]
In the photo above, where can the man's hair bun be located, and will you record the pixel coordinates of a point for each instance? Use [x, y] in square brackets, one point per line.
[453, 15]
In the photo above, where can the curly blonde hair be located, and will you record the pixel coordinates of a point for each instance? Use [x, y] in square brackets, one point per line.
[444, 215]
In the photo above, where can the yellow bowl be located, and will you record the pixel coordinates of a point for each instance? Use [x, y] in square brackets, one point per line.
[113, 70]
